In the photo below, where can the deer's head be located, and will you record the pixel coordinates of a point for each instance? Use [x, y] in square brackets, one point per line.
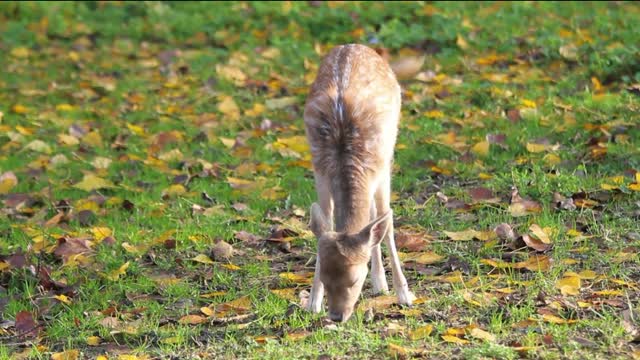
[344, 260]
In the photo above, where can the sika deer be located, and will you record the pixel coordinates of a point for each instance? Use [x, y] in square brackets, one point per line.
[351, 121]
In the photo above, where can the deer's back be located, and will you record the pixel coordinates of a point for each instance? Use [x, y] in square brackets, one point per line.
[351, 114]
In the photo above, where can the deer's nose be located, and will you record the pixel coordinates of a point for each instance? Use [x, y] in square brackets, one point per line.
[336, 317]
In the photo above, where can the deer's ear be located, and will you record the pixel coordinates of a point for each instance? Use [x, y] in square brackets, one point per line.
[372, 234]
[319, 224]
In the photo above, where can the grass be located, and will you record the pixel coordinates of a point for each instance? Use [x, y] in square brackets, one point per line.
[100, 83]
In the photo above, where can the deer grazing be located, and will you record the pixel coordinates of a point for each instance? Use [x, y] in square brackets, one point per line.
[351, 121]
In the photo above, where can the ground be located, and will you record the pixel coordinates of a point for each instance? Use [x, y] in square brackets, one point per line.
[155, 180]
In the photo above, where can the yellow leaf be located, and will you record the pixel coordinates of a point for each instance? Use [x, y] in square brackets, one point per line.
[424, 258]
[192, 319]
[481, 148]
[483, 335]
[8, 181]
[462, 43]
[434, 114]
[99, 233]
[93, 138]
[378, 303]
[551, 159]
[101, 162]
[539, 233]
[398, 351]
[298, 335]
[94, 340]
[39, 146]
[528, 103]
[609, 293]
[231, 267]
[422, 332]
[287, 294]
[279, 103]
[231, 73]
[536, 148]
[256, 110]
[63, 298]
[297, 144]
[92, 182]
[202, 258]
[20, 52]
[135, 129]
[454, 339]
[587, 274]
[134, 249]
[569, 285]
[304, 278]
[64, 107]
[228, 143]
[556, 319]
[465, 235]
[66, 355]
[263, 338]
[229, 108]
[4, 265]
[207, 311]
[174, 190]
[114, 275]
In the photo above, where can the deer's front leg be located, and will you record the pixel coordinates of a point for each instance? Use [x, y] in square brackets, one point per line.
[383, 198]
[326, 203]
[317, 290]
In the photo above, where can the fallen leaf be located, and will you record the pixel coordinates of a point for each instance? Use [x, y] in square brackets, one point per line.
[25, 324]
[192, 319]
[483, 335]
[304, 278]
[94, 340]
[398, 351]
[424, 258]
[114, 275]
[454, 339]
[63, 298]
[407, 67]
[279, 103]
[202, 258]
[66, 355]
[92, 182]
[8, 181]
[420, 333]
[229, 108]
[465, 235]
[39, 146]
[481, 148]
[287, 294]
[569, 285]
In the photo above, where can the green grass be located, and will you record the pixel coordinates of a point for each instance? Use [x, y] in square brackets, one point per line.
[566, 68]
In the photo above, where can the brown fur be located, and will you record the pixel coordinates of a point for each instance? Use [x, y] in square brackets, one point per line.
[351, 120]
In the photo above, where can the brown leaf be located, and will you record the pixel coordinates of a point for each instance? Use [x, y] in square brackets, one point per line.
[68, 247]
[407, 67]
[483, 195]
[26, 325]
[505, 232]
[535, 243]
[522, 207]
[411, 240]
[222, 251]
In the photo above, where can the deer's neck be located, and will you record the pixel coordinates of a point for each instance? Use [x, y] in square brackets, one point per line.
[352, 204]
